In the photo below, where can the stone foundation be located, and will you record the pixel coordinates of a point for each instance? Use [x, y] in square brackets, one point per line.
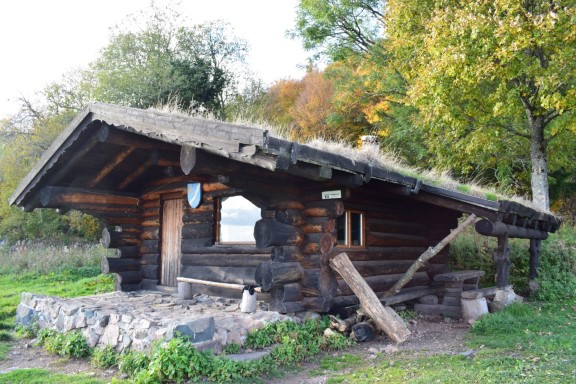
[136, 319]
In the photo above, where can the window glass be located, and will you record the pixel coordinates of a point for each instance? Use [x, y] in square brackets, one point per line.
[349, 229]
[237, 219]
[341, 230]
[355, 229]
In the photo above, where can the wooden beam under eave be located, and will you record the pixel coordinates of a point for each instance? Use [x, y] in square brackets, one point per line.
[109, 167]
[497, 229]
[51, 197]
[310, 171]
[97, 135]
[117, 136]
[152, 160]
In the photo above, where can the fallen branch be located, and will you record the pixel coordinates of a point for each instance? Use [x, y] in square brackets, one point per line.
[427, 255]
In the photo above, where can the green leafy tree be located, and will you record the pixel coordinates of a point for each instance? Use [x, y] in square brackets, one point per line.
[156, 58]
[339, 28]
[488, 76]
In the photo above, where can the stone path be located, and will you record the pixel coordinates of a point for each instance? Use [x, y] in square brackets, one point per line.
[136, 319]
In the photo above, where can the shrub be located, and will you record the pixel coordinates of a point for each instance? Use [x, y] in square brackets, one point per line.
[71, 344]
[130, 361]
[105, 357]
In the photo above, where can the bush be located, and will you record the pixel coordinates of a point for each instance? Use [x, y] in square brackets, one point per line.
[105, 357]
[71, 344]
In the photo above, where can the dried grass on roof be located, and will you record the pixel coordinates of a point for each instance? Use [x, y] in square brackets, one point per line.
[371, 154]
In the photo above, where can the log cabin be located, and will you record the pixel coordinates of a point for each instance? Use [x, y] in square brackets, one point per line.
[187, 197]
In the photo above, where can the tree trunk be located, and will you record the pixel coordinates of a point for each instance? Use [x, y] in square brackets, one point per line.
[539, 159]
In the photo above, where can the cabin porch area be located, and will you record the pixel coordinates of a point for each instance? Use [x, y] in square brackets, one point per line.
[134, 320]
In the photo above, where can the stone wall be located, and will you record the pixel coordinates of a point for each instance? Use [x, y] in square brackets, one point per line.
[135, 320]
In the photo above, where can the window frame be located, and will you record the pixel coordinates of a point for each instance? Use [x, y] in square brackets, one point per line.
[348, 230]
[217, 229]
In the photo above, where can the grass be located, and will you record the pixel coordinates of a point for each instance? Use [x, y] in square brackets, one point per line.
[41, 268]
[43, 376]
[526, 343]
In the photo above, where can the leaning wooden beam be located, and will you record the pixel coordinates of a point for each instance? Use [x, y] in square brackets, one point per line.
[119, 158]
[430, 253]
[384, 317]
[488, 228]
[213, 283]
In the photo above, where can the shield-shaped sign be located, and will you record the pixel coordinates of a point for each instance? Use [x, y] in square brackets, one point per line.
[194, 194]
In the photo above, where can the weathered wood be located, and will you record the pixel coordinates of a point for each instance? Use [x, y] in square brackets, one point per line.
[377, 239]
[128, 252]
[325, 241]
[223, 260]
[272, 233]
[497, 229]
[406, 294]
[149, 246]
[126, 278]
[289, 216]
[234, 275]
[477, 293]
[383, 253]
[196, 231]
[231, 250]
[535, 248]
[319, 225]
[187, 158]
[113, 264]
[56, 196]
[112, 239]
[502, 260]
[170, 241]
[362, 332]
[430, 253]
[394, 226]
[109, 167]
[384, 317]
[459, 275]
[343, 326]
[190, 218]
[269, 274]
[381, 283]
[287, 253]
[196, 245]
[151, 233]
[286, 292]
[150, 258]
[150, 271]
[328, 208]
[152, 160]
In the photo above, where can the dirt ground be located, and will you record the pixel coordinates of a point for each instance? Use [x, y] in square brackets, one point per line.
[429, 336]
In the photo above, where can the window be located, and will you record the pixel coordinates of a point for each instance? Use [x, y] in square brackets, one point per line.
[237, 217]
[350, 229]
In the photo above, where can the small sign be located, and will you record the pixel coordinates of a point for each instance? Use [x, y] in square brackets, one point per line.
[194, 194]
[327, 195]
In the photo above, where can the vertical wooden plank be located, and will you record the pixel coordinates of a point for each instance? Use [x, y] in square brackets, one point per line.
[171, 237]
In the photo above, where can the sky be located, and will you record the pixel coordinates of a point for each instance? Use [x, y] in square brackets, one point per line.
[42, 39]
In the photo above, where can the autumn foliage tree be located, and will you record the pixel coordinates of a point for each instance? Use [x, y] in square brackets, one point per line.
[490, 73]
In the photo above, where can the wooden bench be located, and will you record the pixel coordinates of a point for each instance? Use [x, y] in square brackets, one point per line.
[451, 289]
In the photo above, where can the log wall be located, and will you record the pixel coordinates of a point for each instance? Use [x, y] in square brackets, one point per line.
[397, 231]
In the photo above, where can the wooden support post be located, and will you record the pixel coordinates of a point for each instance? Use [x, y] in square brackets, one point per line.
[384, 317]
[535, 245]
[502, 259]
[430, 253]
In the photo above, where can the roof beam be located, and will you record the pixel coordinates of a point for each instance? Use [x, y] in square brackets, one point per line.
[497, 229]
[109, 167]
[152, 160]
[52, 197]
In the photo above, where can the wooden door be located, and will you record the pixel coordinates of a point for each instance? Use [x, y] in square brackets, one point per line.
[171, 239]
